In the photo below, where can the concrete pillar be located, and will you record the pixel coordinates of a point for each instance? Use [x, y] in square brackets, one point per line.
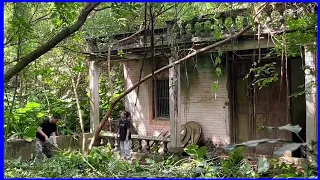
[311, 97]
[174, 104]
[94, 95]
[174, 93]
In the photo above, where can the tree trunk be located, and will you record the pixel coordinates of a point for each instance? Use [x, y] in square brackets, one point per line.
[75, 86]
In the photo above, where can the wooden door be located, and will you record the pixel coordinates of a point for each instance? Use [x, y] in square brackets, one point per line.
[257, 108]
[270, 110]
[242, 98]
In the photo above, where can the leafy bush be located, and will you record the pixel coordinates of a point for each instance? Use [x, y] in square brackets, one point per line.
[24, 122]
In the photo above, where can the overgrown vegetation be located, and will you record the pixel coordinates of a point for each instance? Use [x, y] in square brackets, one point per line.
[57, 80]
[102, 162]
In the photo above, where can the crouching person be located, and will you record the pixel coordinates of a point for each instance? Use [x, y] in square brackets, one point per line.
[47, 128]
[125, 135]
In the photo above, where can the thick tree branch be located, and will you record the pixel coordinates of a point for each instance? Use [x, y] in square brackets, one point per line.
[64, 33]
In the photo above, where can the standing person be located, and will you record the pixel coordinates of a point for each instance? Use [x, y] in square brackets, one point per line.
[125, 135]
[47, 128]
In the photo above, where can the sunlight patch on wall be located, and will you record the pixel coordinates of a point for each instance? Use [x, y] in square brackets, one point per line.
[132, 103]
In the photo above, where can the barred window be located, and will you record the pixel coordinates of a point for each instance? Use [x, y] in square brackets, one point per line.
[161, 102]
[160, 91]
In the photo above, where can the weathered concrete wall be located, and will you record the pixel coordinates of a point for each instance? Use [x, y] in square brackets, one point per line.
[15, 149]
[141, 118]
[208, 108]
[202, 105]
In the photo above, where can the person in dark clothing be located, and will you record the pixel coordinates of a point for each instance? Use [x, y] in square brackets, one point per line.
[47, 128]
[125, 135]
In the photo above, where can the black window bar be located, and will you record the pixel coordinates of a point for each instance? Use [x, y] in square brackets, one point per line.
[162, 99]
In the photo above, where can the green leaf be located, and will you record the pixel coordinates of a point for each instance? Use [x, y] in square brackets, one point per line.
[115, 96]
[228, 22]
[288, 147]
[40, 115]
[28, 139]
[215, 86]
[217, 32]
[77, 69]
[31, 131]
[32, 105]
[263, 165]
[191, 149]
[22, 110]
[191, 152]
[202, 152]
[120, 53]
[239, 22]
[218, 71]
[217, 61]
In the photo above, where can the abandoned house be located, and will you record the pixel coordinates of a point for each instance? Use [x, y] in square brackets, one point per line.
[228, 108]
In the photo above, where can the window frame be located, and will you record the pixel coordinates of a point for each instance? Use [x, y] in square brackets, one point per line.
[157, 97]
[153, 119]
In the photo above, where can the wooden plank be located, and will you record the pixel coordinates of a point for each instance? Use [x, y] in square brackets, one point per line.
[94, 95]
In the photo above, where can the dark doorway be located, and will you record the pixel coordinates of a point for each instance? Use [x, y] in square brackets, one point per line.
[298, 103]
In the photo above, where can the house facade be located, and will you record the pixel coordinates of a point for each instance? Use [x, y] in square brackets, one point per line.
[150, 106]
[226, 105]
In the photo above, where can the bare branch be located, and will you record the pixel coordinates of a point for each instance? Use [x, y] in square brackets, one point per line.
[44, 17]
